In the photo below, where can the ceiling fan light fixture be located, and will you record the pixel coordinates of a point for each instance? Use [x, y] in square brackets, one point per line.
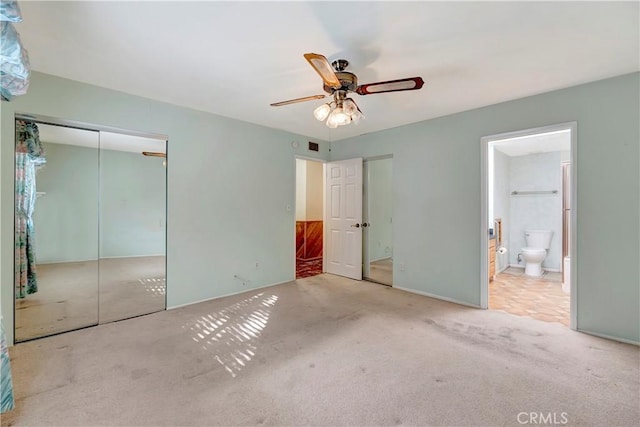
[338, 117]
[338, 83]
[322, 112]
[357, 116]
[349, 106]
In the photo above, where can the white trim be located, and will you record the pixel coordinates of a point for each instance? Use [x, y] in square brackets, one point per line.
[484, 221]
[98, 259]
[573, 227]
[38, 118]
[610, 337]
[484, 232]
[227, 295]
[498, 272]
[324, 216]
[309, 158]
[438, 297]
[374, 158]
[133, 256]
[550, 270]
[66, 262]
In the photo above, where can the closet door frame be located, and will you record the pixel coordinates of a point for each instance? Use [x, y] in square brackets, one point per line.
[55, 121]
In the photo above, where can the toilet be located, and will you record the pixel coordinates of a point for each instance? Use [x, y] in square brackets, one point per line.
[538, 242]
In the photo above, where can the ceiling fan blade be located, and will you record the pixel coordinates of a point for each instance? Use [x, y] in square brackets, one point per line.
[413, 83]
[293, 101]
[153, 154]
[322, 67]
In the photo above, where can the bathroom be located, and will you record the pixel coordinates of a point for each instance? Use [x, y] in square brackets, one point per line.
[529, 216]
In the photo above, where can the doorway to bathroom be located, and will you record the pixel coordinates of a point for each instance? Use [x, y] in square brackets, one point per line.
[527, 222]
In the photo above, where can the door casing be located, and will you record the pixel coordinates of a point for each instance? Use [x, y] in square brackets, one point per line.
[484, 228]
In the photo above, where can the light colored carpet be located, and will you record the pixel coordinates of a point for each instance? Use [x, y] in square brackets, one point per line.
[73, 295]
[324, 350]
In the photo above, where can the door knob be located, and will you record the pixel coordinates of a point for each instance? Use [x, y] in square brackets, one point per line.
[355, 225]
[365, 224]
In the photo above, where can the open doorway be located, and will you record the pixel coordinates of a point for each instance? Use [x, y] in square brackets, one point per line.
[527, 223]
[309, 217]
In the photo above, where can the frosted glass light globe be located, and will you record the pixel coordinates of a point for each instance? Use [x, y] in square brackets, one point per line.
[322, 112]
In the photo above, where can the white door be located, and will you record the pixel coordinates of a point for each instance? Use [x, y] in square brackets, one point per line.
[344, 218]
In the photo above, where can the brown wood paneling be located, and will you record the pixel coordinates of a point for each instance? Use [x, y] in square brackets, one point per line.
[313, 243]
[309, 239]
[300, 227]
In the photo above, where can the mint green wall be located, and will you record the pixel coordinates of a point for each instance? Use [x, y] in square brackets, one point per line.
[132, 204]
[129, 189]
[229, 185]
[222, 219]
[66, 217]
[436, 182]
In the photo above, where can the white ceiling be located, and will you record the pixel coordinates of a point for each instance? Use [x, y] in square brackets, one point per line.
[235, 58]
[104, 140]
[535, 144]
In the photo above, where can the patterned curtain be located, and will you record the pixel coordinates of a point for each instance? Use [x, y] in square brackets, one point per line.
[29, 157]
[6, 385]
[14, 60]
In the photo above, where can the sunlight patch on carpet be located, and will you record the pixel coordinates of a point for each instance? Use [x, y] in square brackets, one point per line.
[231, 333]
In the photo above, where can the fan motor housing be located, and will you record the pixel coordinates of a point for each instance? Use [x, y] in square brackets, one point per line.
[348, 80]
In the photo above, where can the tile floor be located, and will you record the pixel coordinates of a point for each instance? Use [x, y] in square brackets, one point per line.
[539, 298]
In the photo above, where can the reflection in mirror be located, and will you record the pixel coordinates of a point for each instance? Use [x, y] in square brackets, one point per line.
[56, 240]
[378, 240]
[90, 225]
[132, 226]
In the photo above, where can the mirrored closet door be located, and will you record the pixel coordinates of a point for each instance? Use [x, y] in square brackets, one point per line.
[90, 227]
[132, 226]
[378, 217]
[56, 224]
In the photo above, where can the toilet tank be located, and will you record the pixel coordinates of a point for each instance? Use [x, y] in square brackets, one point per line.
[538, 238]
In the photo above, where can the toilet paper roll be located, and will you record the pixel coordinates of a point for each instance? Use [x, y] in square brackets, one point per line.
[502, 250]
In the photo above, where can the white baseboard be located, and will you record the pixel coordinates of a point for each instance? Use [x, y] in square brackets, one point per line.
[550, 270]
[131, 256]
[503, 269]
[427, 294]
[64, 262]
[227, 295]
[609, 337]
[96, 259]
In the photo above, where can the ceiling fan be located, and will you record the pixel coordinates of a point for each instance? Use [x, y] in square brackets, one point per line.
[154, 154]
[338, 84]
